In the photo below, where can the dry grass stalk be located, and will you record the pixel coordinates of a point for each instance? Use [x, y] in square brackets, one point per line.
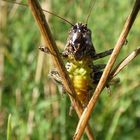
[88, 110]
[3, 22]
[50, 43]
[13, 10]
[124, 63]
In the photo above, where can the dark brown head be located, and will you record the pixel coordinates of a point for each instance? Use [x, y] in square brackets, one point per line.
[79, 43]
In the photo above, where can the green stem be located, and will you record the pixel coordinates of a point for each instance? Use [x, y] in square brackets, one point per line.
[9, 127]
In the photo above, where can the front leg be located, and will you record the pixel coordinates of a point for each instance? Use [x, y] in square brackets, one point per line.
[105, 53]
[47, 51]
[102, 54]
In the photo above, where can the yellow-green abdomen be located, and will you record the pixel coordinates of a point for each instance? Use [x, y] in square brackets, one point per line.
[79, 73]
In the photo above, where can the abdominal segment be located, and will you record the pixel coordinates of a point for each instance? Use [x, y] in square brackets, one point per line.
[79, 73]
[81, 87]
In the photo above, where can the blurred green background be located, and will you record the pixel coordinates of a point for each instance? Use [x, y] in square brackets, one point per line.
[38, 109]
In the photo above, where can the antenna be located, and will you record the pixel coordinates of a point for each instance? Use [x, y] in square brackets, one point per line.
[25, 5]
[92, 3]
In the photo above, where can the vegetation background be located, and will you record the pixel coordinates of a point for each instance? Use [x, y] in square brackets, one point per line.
[38, 109]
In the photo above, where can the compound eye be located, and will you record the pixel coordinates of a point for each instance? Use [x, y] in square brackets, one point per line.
[84, 29]
[74, 28]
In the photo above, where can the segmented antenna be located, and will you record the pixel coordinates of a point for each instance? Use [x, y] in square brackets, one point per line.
[25, 5]
[92, 3]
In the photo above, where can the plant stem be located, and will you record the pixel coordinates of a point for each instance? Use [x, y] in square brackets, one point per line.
[87, 112]
[9, 128]
[124, 63]
[51, 45]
